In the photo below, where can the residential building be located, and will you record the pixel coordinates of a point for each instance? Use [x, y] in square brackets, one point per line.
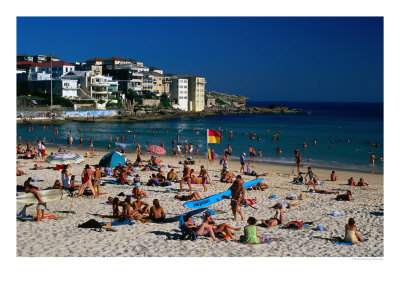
[24, 57]
[56, 68]
[156, 70]
[196, 92]
[25, 66]
[179, 93]
[156, 83]
[90, 85]
[66, 88]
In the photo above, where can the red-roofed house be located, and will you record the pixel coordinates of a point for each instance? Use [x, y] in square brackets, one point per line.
[156, 70]
[56, 68]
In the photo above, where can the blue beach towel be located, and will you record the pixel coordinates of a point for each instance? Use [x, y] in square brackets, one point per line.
[273, 197]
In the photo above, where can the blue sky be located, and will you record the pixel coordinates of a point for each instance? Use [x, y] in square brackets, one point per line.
[264, 58]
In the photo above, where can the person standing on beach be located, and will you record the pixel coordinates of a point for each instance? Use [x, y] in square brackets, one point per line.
[91, 144]
[87, 175]
[39, 147]
[186, 177]
[138, 150]
[238, 194]
[242, 158]
[298, 160]
[80, 142]
[178, 149]
[43, 150]
[372, 159]
[197, 151]
[204, 177]
[96, 179]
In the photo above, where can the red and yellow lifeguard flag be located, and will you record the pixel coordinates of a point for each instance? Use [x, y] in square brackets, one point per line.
[213, 136]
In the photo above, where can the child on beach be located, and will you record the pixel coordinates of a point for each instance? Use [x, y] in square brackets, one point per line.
[250, 232]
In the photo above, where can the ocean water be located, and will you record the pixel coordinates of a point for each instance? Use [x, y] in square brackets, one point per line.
[331, 124]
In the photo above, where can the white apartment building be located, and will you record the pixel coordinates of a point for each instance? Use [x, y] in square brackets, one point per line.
[197, 87]
[56, 68]
[179, 92]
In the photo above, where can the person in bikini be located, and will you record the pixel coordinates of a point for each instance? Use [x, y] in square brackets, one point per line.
[87, 175]
[204, 177]
[186, 177]
[238, 194]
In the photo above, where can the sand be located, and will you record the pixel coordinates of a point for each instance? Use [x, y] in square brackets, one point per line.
[63, 238]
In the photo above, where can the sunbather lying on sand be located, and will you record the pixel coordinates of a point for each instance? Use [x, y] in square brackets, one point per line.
[193, 196]
[36, 167]
[323, 191]
[296, 224]
[20, 172]
[344, 197]
[274, 221]
[260, 186]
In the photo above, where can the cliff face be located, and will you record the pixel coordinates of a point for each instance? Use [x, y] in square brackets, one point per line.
[216, 98]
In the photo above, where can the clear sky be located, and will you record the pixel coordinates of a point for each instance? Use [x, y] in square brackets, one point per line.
[264, 58]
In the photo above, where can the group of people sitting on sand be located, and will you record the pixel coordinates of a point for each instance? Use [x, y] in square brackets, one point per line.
[137, 210]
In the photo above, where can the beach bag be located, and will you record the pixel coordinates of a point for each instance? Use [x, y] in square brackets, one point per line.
[92, 223]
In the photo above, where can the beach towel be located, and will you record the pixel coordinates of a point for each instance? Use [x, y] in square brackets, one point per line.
[273, 197]
[335, 213]
[305, 226]
[348, 244]
[263, 240]
[117, 223]
[291, 197]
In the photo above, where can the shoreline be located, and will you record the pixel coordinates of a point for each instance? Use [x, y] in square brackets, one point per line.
[257, 165]
[266, 160]
[162, 115]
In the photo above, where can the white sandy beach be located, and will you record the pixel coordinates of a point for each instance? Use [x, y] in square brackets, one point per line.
[62, 237]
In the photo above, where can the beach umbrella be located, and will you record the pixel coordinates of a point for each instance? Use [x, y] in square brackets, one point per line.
[64, 158]
[112, 159]
[156, 149]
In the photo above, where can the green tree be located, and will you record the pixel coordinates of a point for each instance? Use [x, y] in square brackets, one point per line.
[23, 88]
[164, 100]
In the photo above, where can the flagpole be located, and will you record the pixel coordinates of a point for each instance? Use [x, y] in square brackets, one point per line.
[208, 158]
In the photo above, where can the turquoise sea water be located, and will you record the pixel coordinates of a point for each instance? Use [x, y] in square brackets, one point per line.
[331, 124]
